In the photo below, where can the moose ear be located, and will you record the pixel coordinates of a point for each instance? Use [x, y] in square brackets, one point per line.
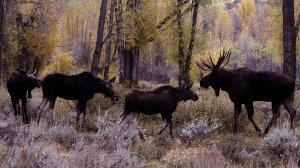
[21, 70]
[112, 80]
[184, 85]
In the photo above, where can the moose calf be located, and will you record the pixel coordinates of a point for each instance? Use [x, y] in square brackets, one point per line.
[245, 86]
[18, 85]
[162, 100]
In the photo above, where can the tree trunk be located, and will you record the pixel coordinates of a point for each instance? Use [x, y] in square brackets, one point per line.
[191, 45]
[86, 52]
[1, 22]
[290, 31]
[2, 15]
[180, 43]
[289, 39]
[135, 55]
[135, 66]
[120, 41]
[129, 62]
[108, 47]
[99, 42]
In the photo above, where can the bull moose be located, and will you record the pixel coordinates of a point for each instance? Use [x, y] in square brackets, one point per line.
[18, 85]
[161, 100]
[244, 86]
[81, 87]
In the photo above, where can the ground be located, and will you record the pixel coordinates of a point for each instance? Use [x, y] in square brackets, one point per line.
[102, 142]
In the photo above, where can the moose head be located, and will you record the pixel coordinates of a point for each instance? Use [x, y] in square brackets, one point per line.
[30, 77]
[213, 79]
[107, 90]
[187, 92]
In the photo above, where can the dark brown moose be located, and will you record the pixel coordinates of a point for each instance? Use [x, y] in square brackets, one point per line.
[245, 86]
[18, 85]
[80, 87]
[162, 100]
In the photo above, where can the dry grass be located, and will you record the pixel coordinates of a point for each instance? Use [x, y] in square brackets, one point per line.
[104, 143]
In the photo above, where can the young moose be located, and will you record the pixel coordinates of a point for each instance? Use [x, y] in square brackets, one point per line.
[162, 100]
[245, 86]
[81, 87]
[18, 85]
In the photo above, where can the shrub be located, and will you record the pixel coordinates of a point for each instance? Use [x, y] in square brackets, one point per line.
[7, 120]
[113, 146]
[61, 62]
[112, 134]
[4, 151]
[195, 157]
[282, 140]
[238, 151]
[210, 158]
[83, 142]
[32, 155]
[63, 134]
[25, 152]
[198, 130]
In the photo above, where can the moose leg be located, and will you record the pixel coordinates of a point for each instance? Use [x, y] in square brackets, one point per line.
[135, 117]
[14, 104]
[250, 110]
[123, 116]
[83, 109]
[51, 106]
[237, 112]
[41, 108]
[78, 111]
[276, 114]
[170, 124]
[29, 95]
[164, 127]
[24, 104]
[289, 107]
[19, 109]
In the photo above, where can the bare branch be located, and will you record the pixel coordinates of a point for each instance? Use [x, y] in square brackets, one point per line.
[170, 16]
[107, 64]
[183, 13]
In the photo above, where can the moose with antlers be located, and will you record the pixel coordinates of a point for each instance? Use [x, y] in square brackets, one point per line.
[244, 86]
[19, 83]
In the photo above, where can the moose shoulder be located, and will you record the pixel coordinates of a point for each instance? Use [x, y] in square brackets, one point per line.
[81, 87]
[245, 86]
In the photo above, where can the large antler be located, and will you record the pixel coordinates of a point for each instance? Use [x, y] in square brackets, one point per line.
[222, 61]
[204, 66]
[224, 58]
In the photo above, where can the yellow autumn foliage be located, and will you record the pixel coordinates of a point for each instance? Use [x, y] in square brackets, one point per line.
[61, 62]
[246, 10]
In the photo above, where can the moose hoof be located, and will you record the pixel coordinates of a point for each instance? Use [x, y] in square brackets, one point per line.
[142, 138]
